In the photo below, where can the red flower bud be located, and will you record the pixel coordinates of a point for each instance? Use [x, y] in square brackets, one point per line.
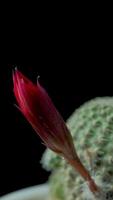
[39, 110]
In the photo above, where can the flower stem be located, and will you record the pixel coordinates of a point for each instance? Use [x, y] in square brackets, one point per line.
[76, 163]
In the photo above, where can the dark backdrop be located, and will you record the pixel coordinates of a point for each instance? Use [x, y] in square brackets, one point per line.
[69, 84]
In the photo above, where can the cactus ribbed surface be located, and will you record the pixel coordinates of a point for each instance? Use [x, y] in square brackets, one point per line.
[91, 126]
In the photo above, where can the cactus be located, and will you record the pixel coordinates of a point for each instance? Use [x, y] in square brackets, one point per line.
[91, 127]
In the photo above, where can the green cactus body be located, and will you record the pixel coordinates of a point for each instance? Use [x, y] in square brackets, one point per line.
[91, 127]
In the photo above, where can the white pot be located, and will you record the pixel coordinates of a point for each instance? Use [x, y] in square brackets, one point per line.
[40, 192]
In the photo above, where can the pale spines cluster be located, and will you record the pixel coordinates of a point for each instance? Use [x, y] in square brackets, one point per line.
[92, 129]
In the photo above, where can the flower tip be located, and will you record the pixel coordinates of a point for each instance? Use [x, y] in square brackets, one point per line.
[38, 77]
[15, 69]
[15, 74]
[14, 77]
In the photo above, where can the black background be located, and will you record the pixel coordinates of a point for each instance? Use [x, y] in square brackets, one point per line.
[72, 51]
[69, 82]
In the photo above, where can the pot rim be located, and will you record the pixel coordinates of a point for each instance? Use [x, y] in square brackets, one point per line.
[27, 193]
